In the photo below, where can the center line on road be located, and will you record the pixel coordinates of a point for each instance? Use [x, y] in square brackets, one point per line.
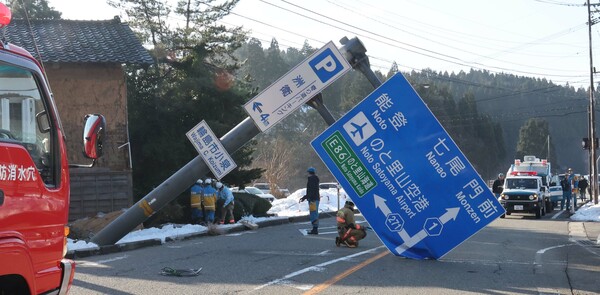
[317, 267]
[317, 289]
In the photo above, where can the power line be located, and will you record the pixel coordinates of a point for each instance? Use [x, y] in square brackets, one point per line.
[421, 36]
[459, 62]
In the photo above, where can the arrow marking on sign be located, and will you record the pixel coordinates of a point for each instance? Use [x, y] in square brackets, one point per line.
[451, 214]
[380, 203]
[256, 106]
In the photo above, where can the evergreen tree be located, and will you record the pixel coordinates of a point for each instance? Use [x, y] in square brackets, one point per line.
[534, 138]
[393, 70]
[34, 9]
[192, 80]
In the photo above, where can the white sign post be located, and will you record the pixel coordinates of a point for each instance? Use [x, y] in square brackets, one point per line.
[211, 150]
[297, 86]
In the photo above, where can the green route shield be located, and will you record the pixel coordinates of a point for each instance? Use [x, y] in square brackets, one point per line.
[349, 164]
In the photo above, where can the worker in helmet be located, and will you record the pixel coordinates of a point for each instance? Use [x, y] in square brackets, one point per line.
[313, 197]
[349, 232]
[224, 193]
[209, 201]
[497, 187]
[196, 202]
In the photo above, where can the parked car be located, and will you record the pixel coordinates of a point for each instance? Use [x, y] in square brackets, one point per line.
[285, 192]
[266, 188]
[255, 191]
[263, 186]
[328, 185]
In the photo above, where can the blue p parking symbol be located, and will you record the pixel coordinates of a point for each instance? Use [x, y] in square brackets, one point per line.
[326, 65]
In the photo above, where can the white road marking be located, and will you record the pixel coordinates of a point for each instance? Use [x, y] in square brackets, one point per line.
[99, 263]
[542, 251]
[494, 262]
[323, 253]
[557, 214]
[304, 232]
[318, 267]
[112, 259]
[240, 233]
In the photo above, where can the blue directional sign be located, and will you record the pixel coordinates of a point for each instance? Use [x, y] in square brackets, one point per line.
[410, 181]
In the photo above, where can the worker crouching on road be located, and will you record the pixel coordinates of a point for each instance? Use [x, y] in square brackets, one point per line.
[349, 232]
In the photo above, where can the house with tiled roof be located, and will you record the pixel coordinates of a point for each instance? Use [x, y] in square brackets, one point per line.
[84, 63]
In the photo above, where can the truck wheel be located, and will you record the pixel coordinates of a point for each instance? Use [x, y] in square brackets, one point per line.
[538, 213]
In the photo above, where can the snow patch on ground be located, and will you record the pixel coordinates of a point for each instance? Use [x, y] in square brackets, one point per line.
[281, 208]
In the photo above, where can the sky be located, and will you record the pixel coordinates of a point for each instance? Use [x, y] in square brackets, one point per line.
[284, 208]
[535, 38]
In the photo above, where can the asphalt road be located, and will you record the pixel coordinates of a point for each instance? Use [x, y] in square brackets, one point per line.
[515, 255]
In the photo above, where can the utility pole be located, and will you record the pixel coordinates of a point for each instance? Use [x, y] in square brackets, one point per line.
[353, 50]
[592, 116]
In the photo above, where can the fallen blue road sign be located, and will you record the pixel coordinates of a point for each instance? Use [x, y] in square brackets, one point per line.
[410, 181]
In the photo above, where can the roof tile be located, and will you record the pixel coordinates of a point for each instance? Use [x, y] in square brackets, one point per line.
[77, 41]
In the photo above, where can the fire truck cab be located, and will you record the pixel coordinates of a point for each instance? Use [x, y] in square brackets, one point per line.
[34, 177]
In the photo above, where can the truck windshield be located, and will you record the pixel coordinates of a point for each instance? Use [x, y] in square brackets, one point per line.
[521, 183]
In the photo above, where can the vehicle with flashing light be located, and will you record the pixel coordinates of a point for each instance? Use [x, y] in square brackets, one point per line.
[531, 165]
[34, 176]
[524, 193]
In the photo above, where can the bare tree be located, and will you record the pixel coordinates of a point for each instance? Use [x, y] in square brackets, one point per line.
[274, 157]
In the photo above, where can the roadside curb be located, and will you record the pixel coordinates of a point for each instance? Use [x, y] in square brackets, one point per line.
[82, 253]
[112, 248]
[590, 229]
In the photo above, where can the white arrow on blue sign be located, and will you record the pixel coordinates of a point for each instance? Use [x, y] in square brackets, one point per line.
[404, 172]
[297, 86]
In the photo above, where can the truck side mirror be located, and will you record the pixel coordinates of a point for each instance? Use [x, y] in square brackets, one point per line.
[93, 135]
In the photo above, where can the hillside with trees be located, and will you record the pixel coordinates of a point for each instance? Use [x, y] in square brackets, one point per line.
[205, 71]
[494, 118]
[511, 101]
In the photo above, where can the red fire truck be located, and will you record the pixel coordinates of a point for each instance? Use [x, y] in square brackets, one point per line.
[34, 176]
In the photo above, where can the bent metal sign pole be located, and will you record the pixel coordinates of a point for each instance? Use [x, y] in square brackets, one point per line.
[326, 65]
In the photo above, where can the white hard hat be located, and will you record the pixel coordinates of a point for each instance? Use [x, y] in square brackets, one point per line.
[208, 181]
[219, 185]
[199, 181]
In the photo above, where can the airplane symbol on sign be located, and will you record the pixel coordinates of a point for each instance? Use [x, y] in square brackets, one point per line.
[358, 129]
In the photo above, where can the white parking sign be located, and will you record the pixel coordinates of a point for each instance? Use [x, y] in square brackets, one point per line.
[297, 86]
